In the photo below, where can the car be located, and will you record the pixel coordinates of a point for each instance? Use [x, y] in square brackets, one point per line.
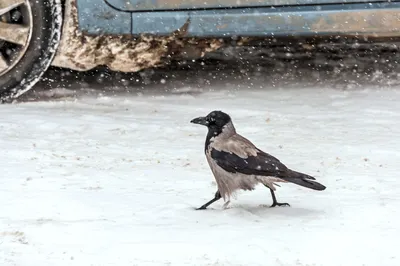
[132, 35]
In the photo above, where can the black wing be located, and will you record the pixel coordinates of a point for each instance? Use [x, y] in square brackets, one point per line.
[263, 164]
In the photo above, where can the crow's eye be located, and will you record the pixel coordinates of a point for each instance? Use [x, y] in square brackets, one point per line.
[210, 119]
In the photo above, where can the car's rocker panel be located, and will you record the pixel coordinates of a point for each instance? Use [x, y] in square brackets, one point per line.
[157, 5]
[367, 19]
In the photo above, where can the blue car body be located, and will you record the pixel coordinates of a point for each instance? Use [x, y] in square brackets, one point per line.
[227, 18]
[132, 35]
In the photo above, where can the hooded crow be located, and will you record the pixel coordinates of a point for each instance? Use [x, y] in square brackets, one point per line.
[237, 164]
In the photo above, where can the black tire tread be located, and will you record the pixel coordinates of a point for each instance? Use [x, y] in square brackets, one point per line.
[46, 34]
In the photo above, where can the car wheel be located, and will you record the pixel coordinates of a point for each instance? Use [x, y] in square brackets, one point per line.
[30, 32]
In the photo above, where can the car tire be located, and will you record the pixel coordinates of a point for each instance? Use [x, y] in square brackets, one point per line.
[42, 42]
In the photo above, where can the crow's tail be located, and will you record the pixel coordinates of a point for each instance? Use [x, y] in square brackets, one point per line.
[303, 180]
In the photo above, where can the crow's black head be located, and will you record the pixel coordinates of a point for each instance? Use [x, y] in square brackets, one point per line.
[214, 120]
[217, 122]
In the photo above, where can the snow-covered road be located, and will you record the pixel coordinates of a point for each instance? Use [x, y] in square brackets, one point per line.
[115, 180]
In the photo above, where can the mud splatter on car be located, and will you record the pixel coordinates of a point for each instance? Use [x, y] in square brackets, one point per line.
[80, 51]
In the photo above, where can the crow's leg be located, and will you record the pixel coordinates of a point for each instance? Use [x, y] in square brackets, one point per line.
[216, 197]
[274, 202]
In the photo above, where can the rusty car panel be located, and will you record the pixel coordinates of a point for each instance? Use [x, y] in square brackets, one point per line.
[357, 19]
[154, 5]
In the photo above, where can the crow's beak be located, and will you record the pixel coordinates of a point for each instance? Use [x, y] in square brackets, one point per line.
[200, 120]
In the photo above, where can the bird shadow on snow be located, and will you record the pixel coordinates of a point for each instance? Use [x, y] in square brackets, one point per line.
[261, 210]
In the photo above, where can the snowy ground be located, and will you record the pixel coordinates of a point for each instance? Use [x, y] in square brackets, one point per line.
[114, 179]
